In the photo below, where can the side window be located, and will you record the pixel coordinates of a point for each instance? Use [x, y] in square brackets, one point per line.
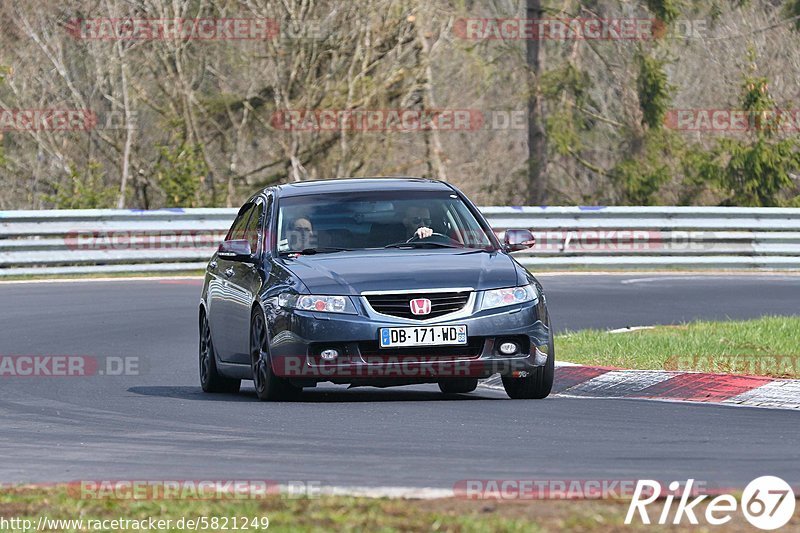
[251, 231]
[237, 228]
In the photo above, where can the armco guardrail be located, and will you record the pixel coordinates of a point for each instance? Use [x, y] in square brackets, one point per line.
[109, 240]
[169, 240]
[656, 237]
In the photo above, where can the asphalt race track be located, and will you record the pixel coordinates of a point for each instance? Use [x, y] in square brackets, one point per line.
[159, 425]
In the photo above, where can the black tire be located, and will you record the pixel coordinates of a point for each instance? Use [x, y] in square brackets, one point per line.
[210, 378]
[269, 387]
[538, 384]
[458, 386]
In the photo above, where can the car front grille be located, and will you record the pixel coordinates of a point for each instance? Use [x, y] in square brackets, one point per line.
[399, 305]
[371, 352]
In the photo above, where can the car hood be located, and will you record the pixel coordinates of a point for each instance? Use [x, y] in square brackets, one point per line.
[383, 270]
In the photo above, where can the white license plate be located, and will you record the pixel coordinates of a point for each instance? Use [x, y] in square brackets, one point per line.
[423, 336]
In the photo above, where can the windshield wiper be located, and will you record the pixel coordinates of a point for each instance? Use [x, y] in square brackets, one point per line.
[421, 244]
[479, 251]
[314, 251]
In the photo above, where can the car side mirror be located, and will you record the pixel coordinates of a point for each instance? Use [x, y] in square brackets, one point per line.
[518, 239]
[236, 250]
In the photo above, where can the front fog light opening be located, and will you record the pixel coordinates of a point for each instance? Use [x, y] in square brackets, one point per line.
[508, 348]
[329, 354]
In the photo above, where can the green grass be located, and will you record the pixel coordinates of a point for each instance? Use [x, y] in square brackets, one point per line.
[766, 346]
[329, 513]
[340, 513]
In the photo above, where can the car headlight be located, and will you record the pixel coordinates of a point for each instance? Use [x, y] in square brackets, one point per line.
[311, 302]
[514, 295]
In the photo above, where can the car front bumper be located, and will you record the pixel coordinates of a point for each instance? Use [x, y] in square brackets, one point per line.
[298, 337]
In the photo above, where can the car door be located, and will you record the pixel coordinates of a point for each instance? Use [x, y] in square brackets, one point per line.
[222, 293]
[245, 284]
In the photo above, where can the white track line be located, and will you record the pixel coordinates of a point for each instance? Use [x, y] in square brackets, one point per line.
[92, 280]
[703, 277]
[404, 493]
[660, 274]
[628, 329]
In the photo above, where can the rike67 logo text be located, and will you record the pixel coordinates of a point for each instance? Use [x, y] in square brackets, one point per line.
[767, 502]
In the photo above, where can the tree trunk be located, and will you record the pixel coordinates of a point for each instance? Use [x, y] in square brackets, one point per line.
[537, 147]
[129, 128]
[429, 104]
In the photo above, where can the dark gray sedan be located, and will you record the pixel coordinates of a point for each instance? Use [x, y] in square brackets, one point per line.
[376, 282]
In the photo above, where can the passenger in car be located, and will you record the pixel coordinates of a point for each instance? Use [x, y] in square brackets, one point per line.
[301, 234]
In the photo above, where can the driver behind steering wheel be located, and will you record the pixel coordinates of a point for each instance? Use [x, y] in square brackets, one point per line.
[417, 221]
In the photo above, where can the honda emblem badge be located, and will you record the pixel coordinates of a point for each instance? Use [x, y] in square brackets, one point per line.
[420, 306]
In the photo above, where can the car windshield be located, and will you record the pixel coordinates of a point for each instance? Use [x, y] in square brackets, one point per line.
[346, 221]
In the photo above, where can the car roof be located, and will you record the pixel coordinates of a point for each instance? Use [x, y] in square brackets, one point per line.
[361, 185]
